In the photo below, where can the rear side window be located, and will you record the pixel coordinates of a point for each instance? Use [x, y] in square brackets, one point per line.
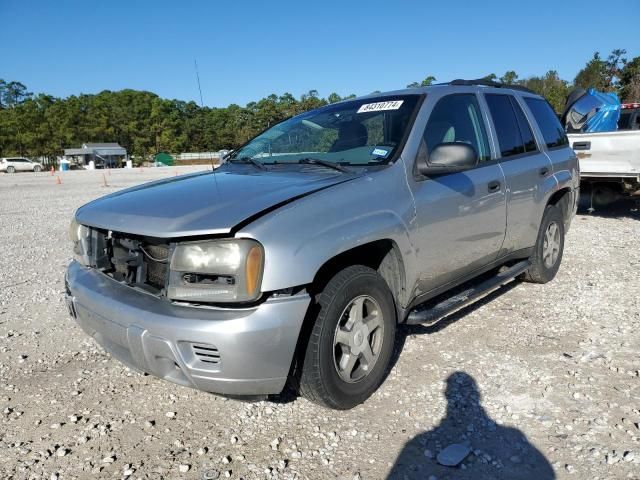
[507, 126]
[528, 139]
[552, 131]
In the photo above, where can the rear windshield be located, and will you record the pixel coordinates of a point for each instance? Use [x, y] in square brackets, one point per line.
[625, 120]
[629, 119]
[552, 131]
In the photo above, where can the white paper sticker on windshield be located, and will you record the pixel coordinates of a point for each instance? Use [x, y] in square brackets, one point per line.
[379, 152]
[380, 106]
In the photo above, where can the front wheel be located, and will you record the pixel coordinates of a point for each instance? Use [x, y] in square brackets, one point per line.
[37, 168]
[352, 339]
[547, 253]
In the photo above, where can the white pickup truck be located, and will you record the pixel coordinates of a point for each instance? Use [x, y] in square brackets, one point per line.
[610, 161]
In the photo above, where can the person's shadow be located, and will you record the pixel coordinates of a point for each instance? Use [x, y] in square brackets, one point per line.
[495, 451]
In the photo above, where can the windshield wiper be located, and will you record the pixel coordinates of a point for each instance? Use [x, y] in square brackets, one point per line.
[324, 163]
[250, 160]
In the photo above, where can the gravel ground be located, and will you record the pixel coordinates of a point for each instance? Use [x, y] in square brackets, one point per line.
[535, 381]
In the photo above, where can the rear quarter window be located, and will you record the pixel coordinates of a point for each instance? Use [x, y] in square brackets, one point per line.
[552, 131]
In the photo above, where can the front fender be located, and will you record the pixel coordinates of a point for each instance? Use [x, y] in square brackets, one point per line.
[344, 236]
[301, 237]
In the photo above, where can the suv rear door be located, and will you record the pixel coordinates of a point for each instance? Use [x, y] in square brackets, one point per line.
[460, 216]
[13, 162]
[527, 170]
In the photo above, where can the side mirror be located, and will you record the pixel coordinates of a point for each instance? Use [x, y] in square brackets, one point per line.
[449, 158]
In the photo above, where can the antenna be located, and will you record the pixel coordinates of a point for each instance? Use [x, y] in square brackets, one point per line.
[198, 78]
[213, 169]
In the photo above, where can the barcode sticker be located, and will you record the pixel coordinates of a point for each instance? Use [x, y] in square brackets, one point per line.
[380, 106]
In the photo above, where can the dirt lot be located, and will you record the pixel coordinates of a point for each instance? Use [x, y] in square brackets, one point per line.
[540, 381]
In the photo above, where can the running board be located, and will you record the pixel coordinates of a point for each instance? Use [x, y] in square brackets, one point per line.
[430, 312]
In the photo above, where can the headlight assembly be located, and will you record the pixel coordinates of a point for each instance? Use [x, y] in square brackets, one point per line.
[80, 236]
[221, 271]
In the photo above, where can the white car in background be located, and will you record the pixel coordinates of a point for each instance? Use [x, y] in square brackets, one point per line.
[19, 164]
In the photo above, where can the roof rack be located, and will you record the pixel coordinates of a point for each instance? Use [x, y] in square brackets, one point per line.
[489, 83]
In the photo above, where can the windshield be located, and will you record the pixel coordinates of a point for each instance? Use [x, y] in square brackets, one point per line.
[358, 132]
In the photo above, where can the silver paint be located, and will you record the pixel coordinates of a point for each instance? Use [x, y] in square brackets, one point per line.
[443, 228]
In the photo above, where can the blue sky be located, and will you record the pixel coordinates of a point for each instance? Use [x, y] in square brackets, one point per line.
[247, 50]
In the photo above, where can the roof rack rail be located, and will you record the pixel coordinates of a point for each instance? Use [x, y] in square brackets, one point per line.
[489, 83]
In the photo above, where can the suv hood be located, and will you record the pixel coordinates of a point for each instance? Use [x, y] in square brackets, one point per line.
[203, 203]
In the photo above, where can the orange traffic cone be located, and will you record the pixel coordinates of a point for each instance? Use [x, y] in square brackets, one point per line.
[52, 170]
[58, 181]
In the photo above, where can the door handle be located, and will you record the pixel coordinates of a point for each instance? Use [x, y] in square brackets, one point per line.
[494, 186]
[544, 171]
[582, 145]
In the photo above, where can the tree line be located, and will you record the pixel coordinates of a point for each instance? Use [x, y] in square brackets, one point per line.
[612, 74]
[43, 125]
[142, 122]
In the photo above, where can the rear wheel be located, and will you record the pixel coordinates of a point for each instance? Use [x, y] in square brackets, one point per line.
[11, 169]
[352, 339]
[549, 247]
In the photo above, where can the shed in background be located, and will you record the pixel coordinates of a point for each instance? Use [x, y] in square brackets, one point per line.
[104, 155]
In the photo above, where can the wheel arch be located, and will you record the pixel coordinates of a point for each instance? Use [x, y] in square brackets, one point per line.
[382, 255]
[563, 200]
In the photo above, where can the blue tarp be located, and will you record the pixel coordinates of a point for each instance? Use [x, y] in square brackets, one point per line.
[594, 112]
[606, 117]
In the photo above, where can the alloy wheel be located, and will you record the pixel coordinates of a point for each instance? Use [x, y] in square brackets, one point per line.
[551, 245]
[358, 339]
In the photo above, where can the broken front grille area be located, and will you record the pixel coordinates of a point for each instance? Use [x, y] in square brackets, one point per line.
[137, 261]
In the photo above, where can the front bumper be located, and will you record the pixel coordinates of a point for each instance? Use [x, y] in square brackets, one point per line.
[228, 351]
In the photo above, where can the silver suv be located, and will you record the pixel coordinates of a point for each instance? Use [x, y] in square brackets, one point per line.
[19, 164]
[298, 257]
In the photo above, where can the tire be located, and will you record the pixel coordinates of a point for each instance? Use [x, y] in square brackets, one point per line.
[37, 168]
[604, 195]
[322, 380]
[11, 169]
[543, 264]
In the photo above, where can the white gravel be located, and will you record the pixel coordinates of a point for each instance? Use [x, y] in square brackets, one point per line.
[537, 380]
